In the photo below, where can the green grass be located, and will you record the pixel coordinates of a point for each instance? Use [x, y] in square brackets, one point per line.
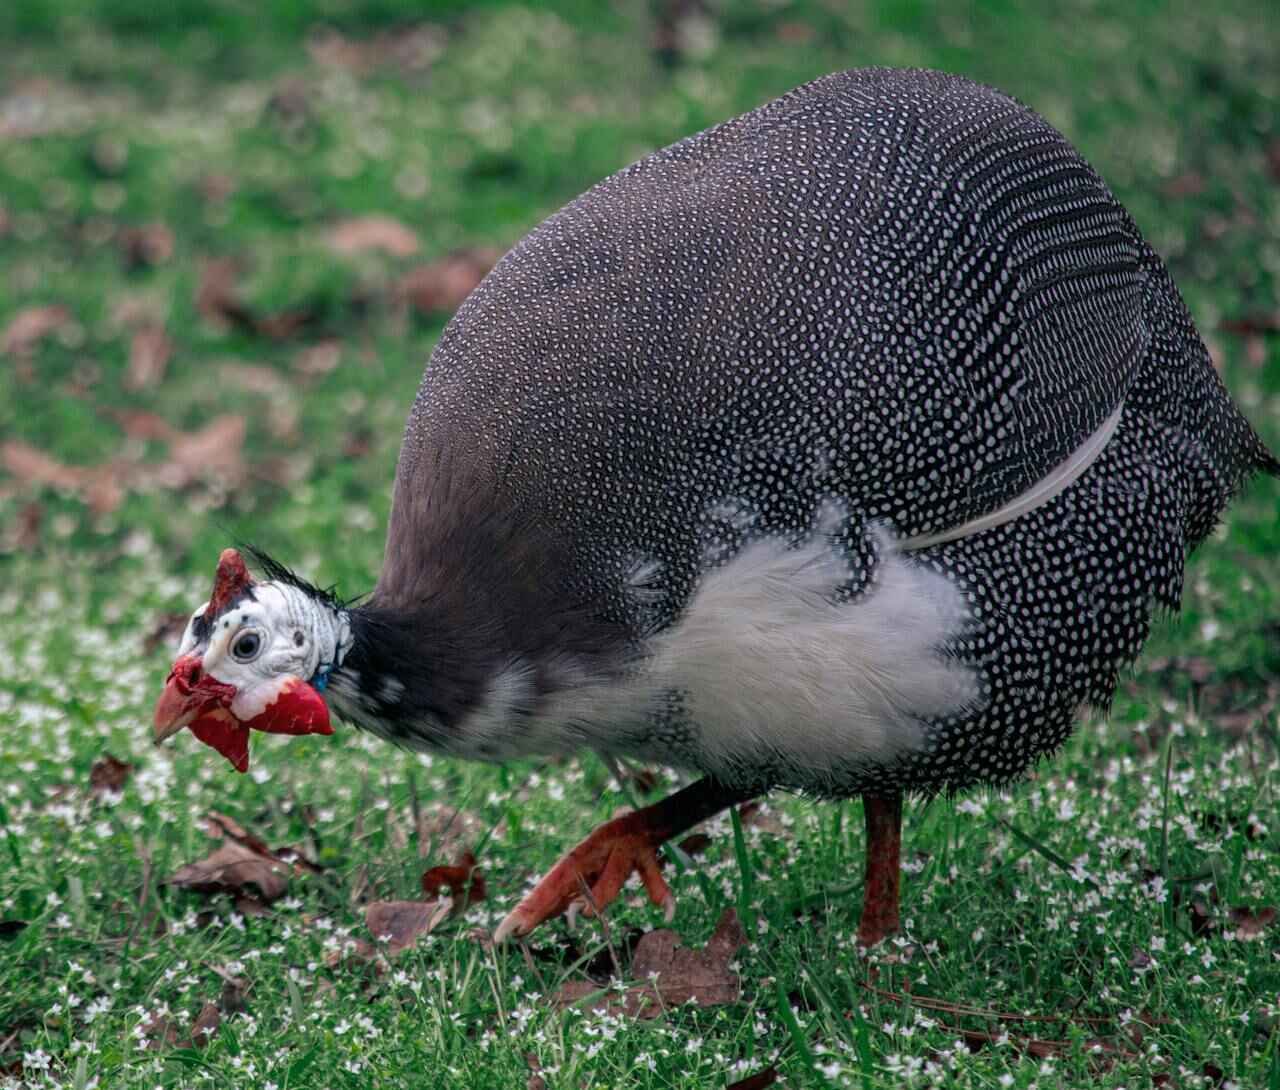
[1067, 901]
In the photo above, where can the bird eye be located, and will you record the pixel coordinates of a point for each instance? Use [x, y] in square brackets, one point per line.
[246, 646]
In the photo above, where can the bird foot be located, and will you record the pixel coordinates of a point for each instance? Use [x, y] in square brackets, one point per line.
[592, 875]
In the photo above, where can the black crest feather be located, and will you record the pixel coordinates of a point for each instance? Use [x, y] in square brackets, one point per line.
[276, 572]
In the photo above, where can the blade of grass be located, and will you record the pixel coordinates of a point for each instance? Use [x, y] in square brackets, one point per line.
[1043, 849]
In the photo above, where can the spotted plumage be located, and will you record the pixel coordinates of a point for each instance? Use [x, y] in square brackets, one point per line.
[846, 447]
[896, 290]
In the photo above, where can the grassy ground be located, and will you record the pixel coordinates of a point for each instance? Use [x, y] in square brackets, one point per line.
[1105, 924]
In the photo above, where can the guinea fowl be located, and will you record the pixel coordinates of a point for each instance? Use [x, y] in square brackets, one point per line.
[844, 448]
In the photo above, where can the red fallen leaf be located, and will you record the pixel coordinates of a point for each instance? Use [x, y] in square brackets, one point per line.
[401, 923]
[1251, 925]
[368, 233]
[441, 286]
[150, 244]
[108, 774]
[29, 327]
[672, 975]
[462, 880]
[149, 353]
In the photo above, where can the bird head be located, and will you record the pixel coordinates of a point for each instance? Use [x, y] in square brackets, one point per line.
[256, 656]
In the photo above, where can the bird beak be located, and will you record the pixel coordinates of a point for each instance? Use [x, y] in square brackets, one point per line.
[194, 699]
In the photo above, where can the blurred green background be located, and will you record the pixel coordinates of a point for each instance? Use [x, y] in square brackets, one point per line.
[230, 231]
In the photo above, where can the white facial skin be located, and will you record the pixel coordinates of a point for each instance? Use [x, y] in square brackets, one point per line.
[279, 634]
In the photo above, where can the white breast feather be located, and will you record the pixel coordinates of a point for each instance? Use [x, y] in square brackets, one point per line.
[772, 665]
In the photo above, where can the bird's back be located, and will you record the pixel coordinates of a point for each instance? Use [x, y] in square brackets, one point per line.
[898, 290]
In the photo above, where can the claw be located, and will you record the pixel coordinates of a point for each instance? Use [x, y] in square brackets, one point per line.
[604, 862]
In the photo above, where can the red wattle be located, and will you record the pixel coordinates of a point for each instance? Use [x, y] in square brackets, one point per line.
[225, 733]
[297, 709]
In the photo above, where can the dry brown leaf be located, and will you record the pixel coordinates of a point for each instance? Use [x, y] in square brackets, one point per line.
[1251, 925]
[217, 294]
[441, 286]
[160, 1031]
[222, 826]
[24, 534]
[35, 467]
[30, 326]
[401, 923]
[150, 244]
[231, 868]
[318, 360]
[695, 843]
[369, 233]
[410, 48]
[683, 974]
[149, 353]
[206, 1023]
[242, 865]
[673, 974]
[99, 486]
[108, 774]
[284, 324]
[139, 424]
[212, 452]
[218, 299]
[757, 815]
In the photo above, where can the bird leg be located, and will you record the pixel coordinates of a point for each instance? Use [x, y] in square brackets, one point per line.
[884, 850]
[606, 859]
